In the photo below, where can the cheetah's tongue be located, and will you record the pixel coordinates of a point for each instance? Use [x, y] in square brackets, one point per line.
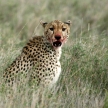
[57, 44]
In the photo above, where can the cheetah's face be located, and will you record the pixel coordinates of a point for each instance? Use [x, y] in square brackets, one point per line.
[56, 32]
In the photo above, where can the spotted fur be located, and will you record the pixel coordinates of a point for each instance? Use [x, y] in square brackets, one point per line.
[39, 59]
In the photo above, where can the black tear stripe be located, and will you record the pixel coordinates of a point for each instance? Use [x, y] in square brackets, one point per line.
[53, 29]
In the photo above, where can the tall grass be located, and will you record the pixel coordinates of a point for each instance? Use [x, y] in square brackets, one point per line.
[83, 82]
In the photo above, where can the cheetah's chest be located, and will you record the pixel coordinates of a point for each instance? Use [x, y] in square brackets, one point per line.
[49, 71]
[57, 73]
[48, 68]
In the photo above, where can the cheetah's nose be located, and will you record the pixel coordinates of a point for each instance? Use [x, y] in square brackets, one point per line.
[57, 37]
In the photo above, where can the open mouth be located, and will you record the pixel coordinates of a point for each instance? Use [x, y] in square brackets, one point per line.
[57, 44]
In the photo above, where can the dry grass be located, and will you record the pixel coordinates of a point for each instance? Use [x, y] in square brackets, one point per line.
[84, 79]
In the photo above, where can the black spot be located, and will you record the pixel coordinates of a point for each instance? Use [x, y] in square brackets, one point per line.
[24, 58]
[39, 79]
[12, 79]
[35, 59]
[35, 55]
[26, 47]
[34, 49]
[29, 44]
[40, 73]
[31, 56]
[43, 57]
[41, 51]
[14, 61]
[9, 81]
[25, 52]
[10, 76]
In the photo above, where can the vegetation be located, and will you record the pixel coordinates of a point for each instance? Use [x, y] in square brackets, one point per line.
[84, 79]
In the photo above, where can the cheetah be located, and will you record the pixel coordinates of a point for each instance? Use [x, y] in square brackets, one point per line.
[40, 57]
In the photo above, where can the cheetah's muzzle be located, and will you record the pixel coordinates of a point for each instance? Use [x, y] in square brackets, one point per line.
[57, 44]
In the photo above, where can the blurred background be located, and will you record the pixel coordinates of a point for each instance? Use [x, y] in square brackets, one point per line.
[16, 15]
[84, 79]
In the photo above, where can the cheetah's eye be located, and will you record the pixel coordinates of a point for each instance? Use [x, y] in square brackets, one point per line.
[51, 29]
[63, 29]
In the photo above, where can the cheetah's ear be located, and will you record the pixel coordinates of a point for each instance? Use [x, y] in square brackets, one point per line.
[43, 23]
[68, 22]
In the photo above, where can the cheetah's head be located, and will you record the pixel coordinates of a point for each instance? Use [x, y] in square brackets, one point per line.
[56, 32]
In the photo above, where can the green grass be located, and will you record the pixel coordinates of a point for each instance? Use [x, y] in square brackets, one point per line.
[83, 82]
